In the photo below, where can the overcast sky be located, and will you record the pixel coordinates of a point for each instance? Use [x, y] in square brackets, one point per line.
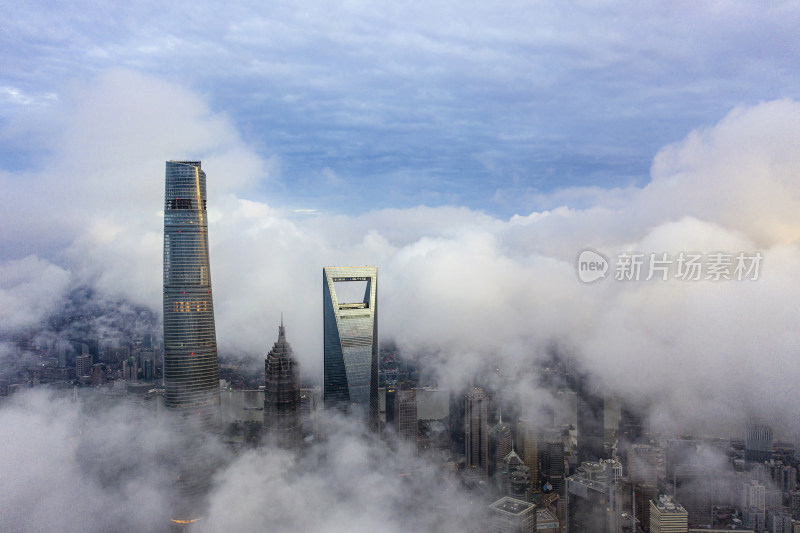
[470, 151]
[362, 104]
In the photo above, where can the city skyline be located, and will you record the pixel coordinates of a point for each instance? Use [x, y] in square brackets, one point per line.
[480, 156]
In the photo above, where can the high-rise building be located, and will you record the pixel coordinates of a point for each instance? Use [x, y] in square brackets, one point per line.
[405, 413]
[83, 366]
[667, 516]
[509, 515]
[191, 371]
[594, 499]
[758, 444]
[499, 445]
[130, 370]
[643, 463]
[476, 433]
[528, 442]
[591, 413]
[555, 470]
[282, 393]
[642, 494]
[351, 342]
[753, 495]
[515, 478]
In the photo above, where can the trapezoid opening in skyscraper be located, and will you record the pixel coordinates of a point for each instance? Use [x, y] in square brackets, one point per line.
[351, 341]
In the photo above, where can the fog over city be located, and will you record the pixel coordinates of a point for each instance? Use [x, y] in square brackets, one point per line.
[465, 288]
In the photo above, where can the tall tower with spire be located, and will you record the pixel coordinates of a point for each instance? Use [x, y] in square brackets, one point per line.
[282, 393]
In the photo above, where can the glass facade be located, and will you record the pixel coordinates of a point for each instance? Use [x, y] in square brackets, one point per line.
[351, 343]
[191, 371]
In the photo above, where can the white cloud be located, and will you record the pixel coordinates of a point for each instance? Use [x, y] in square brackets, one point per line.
[458, 284]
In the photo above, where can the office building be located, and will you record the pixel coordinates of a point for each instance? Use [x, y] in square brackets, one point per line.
[83, 366]
[130, 370]
[758, 444]
[191, 371]
[528, 443]
[405, 413]
[282, 412]
[518, 478]
[476, 433]
[594, 499]
[753, 495]
[667, 516]
[499, 445]
[351, 341]
[642, 495]
[509, 515]
[591, 416]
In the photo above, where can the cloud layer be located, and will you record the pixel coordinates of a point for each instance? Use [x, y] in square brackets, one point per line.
[462, 103]
[457, 287]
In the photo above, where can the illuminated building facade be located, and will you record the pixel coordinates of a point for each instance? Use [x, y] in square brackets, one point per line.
[282, 394]
[351, 342]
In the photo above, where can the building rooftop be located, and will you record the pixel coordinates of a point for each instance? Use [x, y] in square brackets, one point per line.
[511, 505]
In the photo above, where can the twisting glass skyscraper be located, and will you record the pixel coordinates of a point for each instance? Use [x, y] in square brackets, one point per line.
[351, 342]
[191, 371]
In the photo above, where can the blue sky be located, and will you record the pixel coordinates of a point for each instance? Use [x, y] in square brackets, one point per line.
[364, 105]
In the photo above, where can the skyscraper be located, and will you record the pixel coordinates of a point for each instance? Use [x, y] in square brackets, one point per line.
[405, 413]
[191, 371]
[499, 445]
[594, 499]
[509, 515]
[351, 342]
[591, 407]
[758, 444]
[476, 433]
[528, 442]
[667, 516]
[282, 393]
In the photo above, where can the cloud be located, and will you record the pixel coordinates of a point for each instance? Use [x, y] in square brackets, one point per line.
[81, 467]
[458, 288]
[30, 288]
[447, 103]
